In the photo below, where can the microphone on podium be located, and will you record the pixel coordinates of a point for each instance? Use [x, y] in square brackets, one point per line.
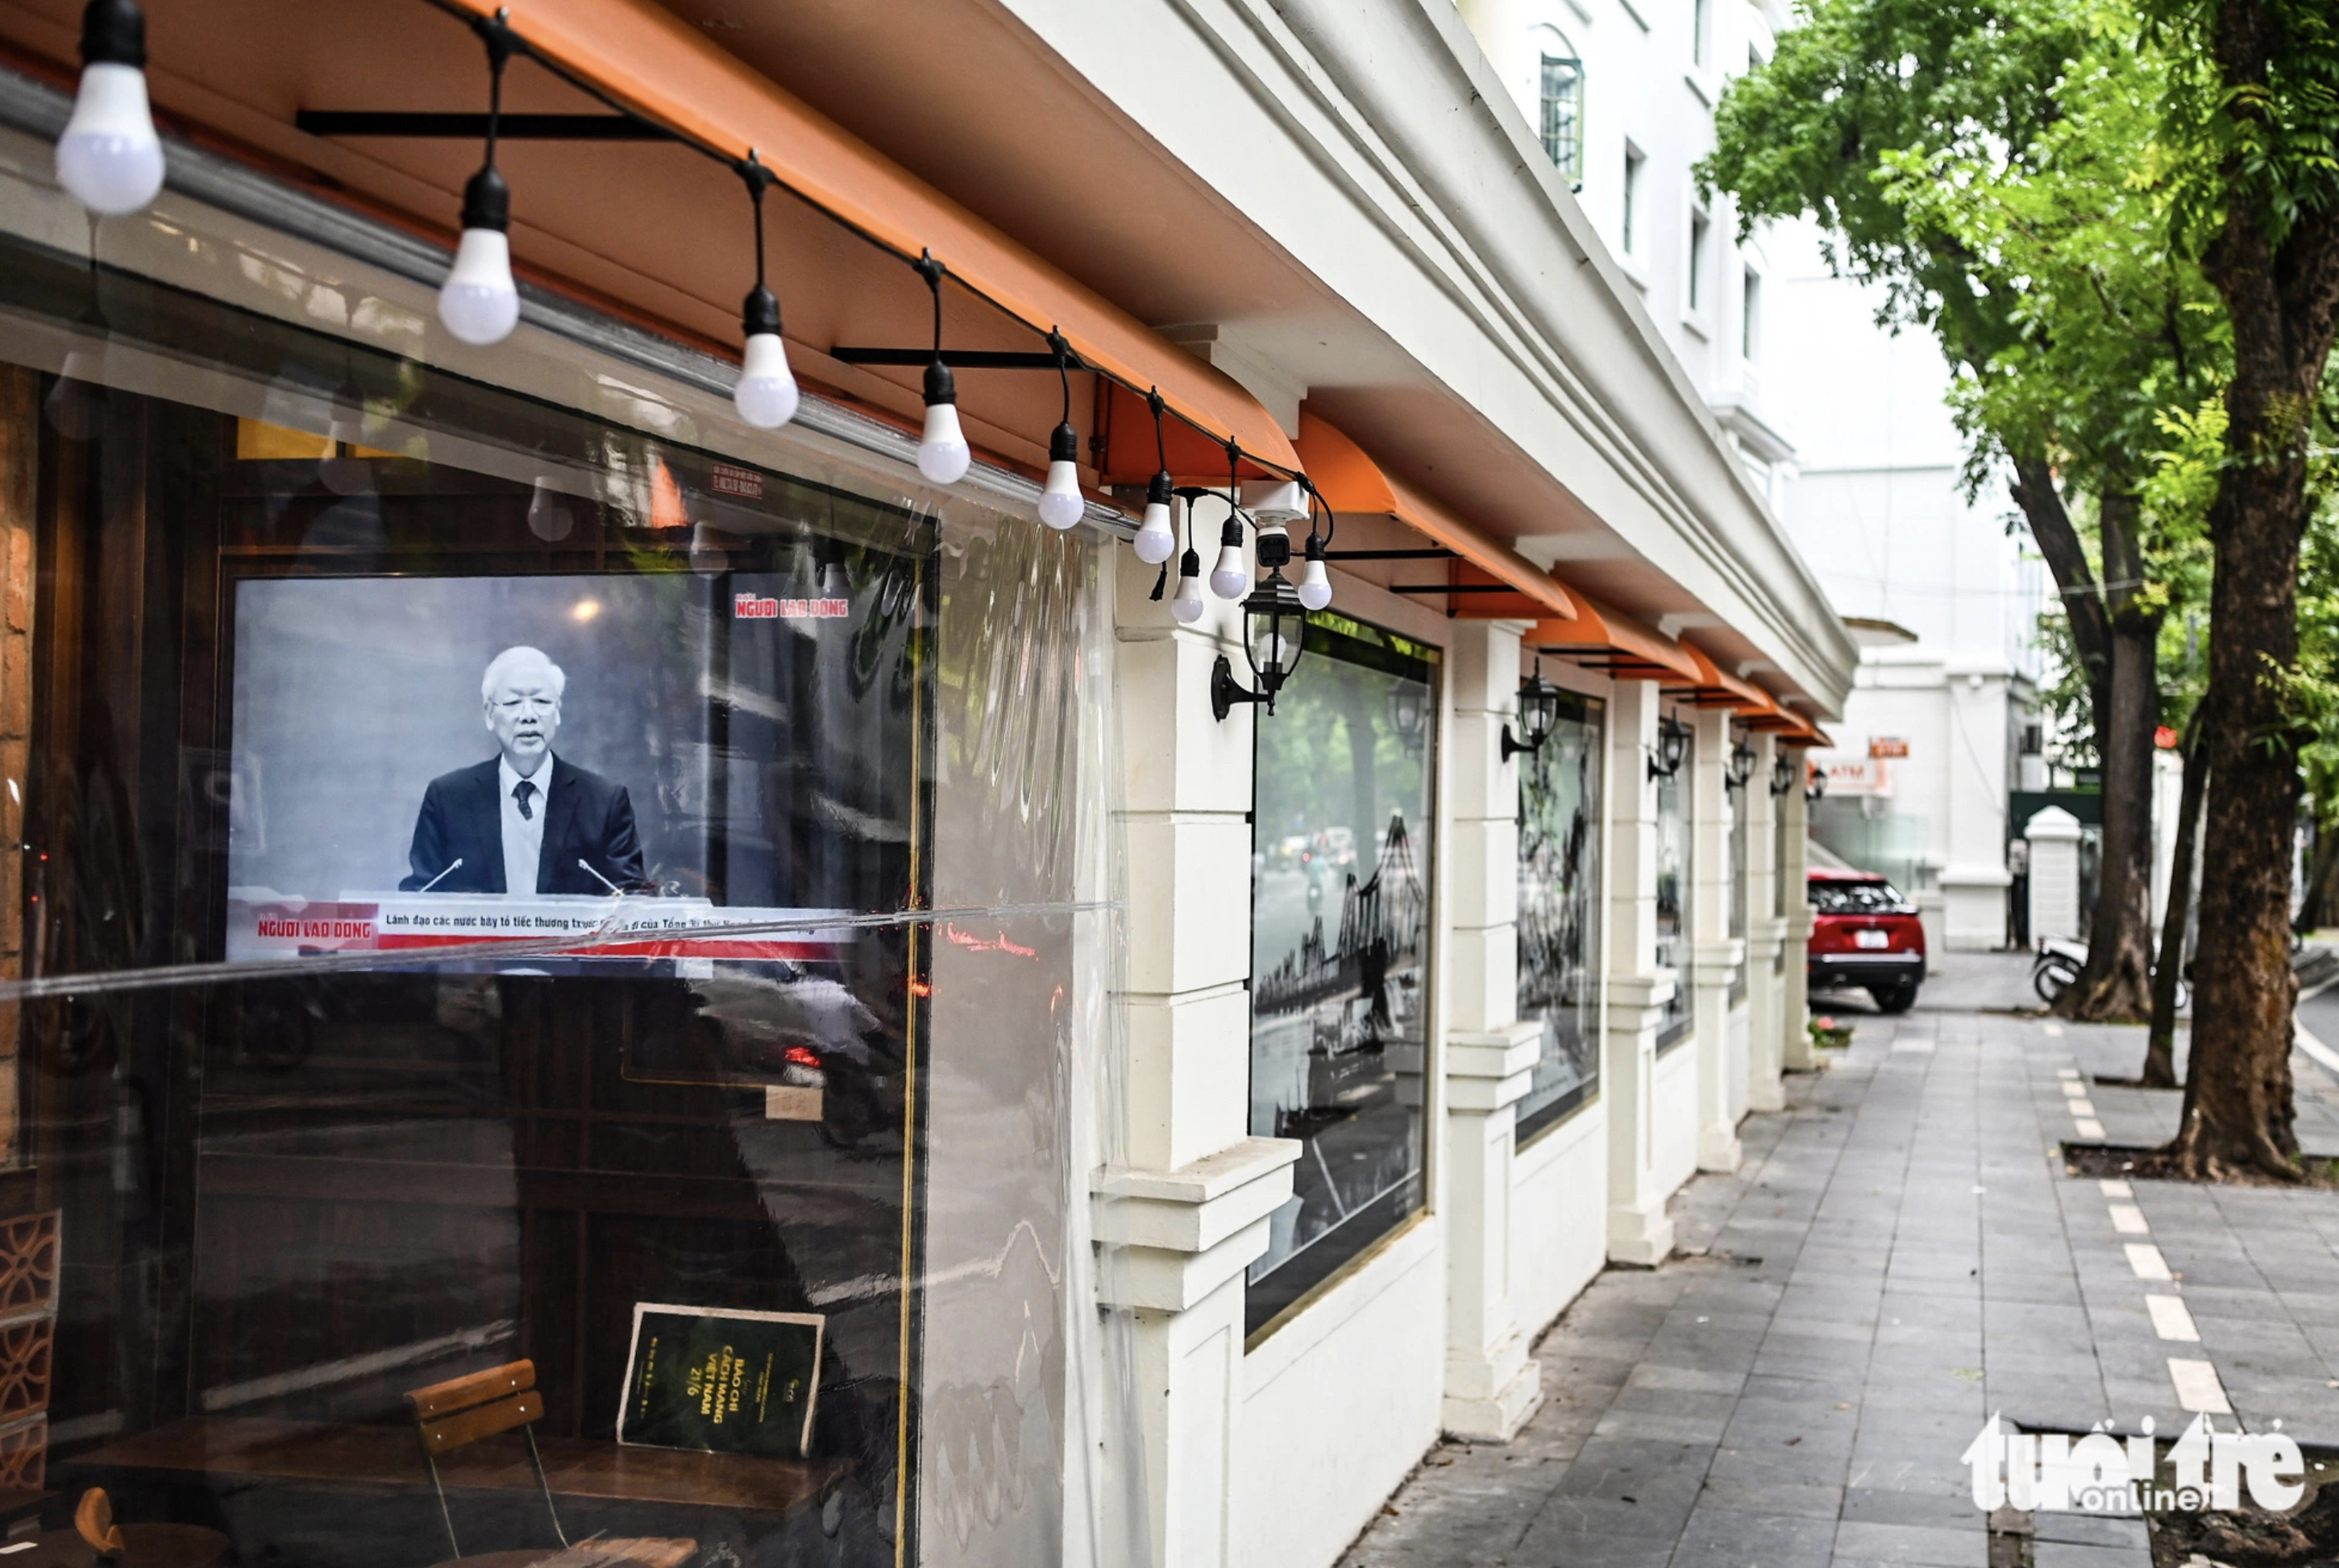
[452, 867]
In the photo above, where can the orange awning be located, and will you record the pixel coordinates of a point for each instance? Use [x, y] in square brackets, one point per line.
[1713, 687]
[1352, 484]
[1606, 639]
[662, 68]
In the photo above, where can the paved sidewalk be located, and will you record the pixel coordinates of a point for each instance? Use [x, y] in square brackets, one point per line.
[1900, 1256]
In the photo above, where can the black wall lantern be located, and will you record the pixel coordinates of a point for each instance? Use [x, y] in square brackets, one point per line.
[1672, 747]
[1816, 789]
[1538, 712]
[1274, 631]
[1742, 764]
[1409, 714]
[1783, 771]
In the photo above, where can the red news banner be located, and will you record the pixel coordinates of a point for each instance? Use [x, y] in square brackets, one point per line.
[268, 926]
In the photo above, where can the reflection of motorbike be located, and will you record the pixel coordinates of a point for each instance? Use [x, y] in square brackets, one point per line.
[856, 1099]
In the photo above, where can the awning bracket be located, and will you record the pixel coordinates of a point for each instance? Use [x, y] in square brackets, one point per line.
[474, 127]
[959, 359]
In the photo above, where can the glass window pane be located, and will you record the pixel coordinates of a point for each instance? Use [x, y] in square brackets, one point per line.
[1738, 879]
[1559, 912]
[1562, 114]
[1341, 872]
[1674, 883]
[361, 1070]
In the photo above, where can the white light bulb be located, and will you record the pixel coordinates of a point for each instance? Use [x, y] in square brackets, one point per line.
[943, 455]
[1229, 578]
[1062, 504]
[1188, 603]
[109, 157]
[479, 301]
[1156, 538]
[1315, 586]
[766, 393]
[548, 517]
[1275, 653]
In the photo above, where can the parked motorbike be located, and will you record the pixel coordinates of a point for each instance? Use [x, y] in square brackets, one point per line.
[2058, 962]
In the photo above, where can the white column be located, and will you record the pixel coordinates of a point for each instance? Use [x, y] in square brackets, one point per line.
[2054, 834]
[1184, 1209]
[1491, 1386]
[1766, 933]
[1717, 953]
[1639, 1229]
[1795, 822]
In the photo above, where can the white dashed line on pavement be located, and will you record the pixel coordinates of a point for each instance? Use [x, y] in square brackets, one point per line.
[2128, 1220]
[2145, 1259]
[2089, 1127]
[2170, 1319]
[2083, 1108]
[2198, 1389]
[2067, 1073]
[2113, 1187]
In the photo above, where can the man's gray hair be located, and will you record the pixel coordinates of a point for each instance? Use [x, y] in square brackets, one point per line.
[504, 663]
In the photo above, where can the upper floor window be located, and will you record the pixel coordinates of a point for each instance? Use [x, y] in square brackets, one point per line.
[1697, 226]
[1750, 319]
[1701, 31]
[1562, 114]
[1632, 162]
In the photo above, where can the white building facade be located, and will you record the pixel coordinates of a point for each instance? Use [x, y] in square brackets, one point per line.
[1163, 1101]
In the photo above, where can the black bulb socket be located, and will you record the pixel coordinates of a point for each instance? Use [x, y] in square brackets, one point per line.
[1315, 547]
[486, 202]
[1162, 490]
[114, 32]
[1190, 564]
[941, 387]
[761, 313]
[1064, 445]
[1232, 533]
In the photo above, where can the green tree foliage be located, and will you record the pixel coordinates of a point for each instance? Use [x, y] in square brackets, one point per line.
[1990, 167]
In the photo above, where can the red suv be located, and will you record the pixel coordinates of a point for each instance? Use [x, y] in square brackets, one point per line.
[1865, 937]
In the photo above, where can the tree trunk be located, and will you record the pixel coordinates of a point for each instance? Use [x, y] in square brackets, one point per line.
[2160, 1045]
[2322, 902]
[2115, 982]
[2119, 653]
[2282, 299]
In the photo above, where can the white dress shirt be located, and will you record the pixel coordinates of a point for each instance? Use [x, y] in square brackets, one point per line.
[523, 835]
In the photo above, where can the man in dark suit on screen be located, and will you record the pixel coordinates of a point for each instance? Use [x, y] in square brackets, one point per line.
[522, 821]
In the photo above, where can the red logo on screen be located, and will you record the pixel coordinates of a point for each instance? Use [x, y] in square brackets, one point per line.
[756, 607]
[728, 480]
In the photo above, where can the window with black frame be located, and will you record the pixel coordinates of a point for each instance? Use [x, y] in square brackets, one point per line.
[1340, 933]
[1674, 890]
[1737, 882]
[1559, 912]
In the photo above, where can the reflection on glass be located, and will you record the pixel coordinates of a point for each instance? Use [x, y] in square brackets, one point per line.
[282, 683]
[1738, 891]
[1674, 894]
[1559, 912]
[1341, 869]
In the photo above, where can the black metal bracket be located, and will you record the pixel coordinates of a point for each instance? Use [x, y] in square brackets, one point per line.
[474, 127]
[1452, 588]
[1226, 693]
[1512, 746]
[958, 359]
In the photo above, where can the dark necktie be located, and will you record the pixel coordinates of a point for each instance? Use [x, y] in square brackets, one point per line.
[522, 791]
